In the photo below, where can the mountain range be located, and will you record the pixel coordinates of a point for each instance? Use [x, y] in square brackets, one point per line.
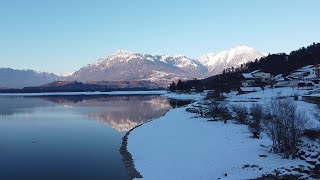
[11, 78]
[217, 62]
[129, 66]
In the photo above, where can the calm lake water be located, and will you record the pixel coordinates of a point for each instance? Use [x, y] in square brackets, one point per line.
[70, 137]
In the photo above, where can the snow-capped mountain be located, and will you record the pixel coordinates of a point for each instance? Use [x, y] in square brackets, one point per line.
[217, 62]
[128, 66]
[11, 78]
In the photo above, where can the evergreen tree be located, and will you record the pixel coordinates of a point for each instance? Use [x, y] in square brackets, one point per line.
[180, 85]
[173, 86]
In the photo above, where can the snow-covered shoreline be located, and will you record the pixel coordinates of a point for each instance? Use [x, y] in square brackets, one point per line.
[180, 145]
[126, 155]
[194, 96]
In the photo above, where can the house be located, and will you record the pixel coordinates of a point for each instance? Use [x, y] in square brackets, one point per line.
[245, 90]
[295, 83]
[282, 83]
[306, 84]
[278, 78]
[309, 72]
[256, 78]
[317, 72]
[253, 81]
[306, 77]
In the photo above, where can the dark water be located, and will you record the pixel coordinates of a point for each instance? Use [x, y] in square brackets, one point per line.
[70, 137]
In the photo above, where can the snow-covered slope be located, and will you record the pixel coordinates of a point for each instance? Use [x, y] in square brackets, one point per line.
[128, 66]
[180, 145]
[217, 62]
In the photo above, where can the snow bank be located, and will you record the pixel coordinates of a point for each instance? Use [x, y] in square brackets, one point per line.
[271, 93]
[194, 96]
[181, 146]
[312, 114]
[316, 95]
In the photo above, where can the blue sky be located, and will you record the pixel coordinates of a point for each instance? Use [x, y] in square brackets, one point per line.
[63, 35]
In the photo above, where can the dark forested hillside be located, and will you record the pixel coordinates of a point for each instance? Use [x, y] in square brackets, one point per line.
[280, 63]
[74, 86]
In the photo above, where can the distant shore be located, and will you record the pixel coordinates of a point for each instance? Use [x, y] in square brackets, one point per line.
[151, 92]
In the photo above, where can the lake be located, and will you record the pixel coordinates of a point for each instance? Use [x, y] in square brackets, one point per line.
[70, 137]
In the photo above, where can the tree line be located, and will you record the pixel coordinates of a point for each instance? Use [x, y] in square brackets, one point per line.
[280, 63]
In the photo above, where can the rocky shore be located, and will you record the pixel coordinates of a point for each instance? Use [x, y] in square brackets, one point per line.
[127, 157]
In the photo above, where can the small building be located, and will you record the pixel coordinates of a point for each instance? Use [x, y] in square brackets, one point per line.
[314, 98]
[282, 83]
[317, 72]
[306, 84]
[295, 83]
[245, 90]
[192, 89]
[309, 72]
[256, 78]
[278, 78]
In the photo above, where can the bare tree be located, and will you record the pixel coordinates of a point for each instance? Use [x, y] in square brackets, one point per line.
[256, 113]
[218, 109]
[317, 112]
[216, 95]
[285, 125]
[241, 113]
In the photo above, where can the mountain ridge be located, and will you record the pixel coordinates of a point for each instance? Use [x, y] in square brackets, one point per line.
[13, 78]
[234, 57]
[124, 65]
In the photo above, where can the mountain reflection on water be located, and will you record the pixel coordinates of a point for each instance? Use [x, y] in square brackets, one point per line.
[70, 137]
[120, 112]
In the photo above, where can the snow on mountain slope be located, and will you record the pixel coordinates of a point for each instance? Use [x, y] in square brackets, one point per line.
[187, 64]
[217, 62]
[128, 66]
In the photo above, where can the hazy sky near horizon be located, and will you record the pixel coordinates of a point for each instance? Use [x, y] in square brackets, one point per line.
[63, 35]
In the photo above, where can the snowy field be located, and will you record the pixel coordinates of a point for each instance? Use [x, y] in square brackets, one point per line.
[181, 145]
[272, 93]
[264, 97]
